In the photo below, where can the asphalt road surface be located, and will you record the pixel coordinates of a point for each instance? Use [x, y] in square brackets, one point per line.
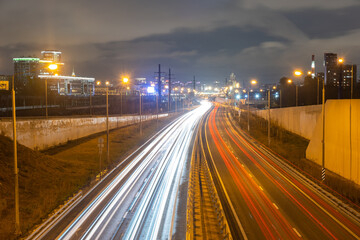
[265, 197]
[139, 198]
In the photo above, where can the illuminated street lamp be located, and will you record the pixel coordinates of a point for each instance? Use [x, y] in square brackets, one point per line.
[51, 67]
[253, 82]
[297, 73]
[124, 80]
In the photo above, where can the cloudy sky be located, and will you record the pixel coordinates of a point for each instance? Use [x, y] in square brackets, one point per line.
[263, 39]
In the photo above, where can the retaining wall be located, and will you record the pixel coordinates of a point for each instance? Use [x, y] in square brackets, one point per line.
[299, 120]
[41, 134]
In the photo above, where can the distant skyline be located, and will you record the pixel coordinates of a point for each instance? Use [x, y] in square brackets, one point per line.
[262, 39]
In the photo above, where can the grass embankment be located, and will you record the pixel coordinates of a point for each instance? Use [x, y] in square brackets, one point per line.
[47, 179]
[292, 147]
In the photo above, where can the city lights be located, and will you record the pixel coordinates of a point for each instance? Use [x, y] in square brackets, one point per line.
[53, 66]
[297, 73]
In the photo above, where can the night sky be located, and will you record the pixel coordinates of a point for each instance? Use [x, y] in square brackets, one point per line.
[263, 39]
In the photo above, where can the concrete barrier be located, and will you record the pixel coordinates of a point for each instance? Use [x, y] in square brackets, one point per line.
[41, 134]
[342, 139]
[299, 120]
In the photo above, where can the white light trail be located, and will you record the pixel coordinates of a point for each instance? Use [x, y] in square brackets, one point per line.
[169, 152]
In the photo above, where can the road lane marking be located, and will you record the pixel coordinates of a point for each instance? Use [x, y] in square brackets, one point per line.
[261, 188]
[275, 206]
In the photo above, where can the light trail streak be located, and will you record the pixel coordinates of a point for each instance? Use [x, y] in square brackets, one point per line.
[256, 206]
[310, 195]
[166, 156]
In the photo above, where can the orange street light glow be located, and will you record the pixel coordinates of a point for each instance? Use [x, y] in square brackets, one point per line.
[341, 60]
[125, 79]
[98, 83]
[297, 73]
[53, 66]
[289, 81]
[253, 82]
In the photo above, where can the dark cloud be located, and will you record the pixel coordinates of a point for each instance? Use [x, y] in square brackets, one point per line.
[265, 39]
[326, 24]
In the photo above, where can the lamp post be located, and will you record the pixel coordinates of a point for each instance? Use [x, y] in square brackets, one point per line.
[253, 82]
[140, 108]
[297, 73]
[124, 80]
[269, 95]
[107, 122]
[323, 135]
[51, 67]
[91, 100]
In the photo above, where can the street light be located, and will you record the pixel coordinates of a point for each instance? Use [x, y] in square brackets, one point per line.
[107, 83]
[297, 73]
[253, 82]
[140, 108]
[124, 80]
[51, 67]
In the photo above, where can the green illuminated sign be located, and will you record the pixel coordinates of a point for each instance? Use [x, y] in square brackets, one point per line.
[25, 59]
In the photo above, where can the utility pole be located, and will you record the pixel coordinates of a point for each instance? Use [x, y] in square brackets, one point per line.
[194, 83]
[159, 86]
[91, 86]
[323, 170]
[107, 125]
[169, 104]
[269, 97]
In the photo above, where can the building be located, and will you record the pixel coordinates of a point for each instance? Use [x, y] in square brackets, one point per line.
[331, 69]
[349, 73]
[337, 73]
[25, 69]
[30, 72]
[69, 85]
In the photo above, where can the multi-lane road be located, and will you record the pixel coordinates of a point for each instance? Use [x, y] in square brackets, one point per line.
[264, 197]
[140, 198]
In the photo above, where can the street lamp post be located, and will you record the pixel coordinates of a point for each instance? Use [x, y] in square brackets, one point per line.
[107, 122]
[269, 116]
[91, 112]
[253, 82]
[140, 108]
[46, 104]
[125, 80]
[297, 73]
[51, 67]
[323, 134]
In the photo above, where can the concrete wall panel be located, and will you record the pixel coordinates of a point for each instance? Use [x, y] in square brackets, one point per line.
[45, 133]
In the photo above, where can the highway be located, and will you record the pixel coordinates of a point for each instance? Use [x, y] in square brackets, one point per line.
[139, 199]
[264, 197]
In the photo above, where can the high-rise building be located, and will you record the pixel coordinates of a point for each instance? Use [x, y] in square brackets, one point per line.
[25, 69]
[336, 74]
[331, 69]
[349, 73]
